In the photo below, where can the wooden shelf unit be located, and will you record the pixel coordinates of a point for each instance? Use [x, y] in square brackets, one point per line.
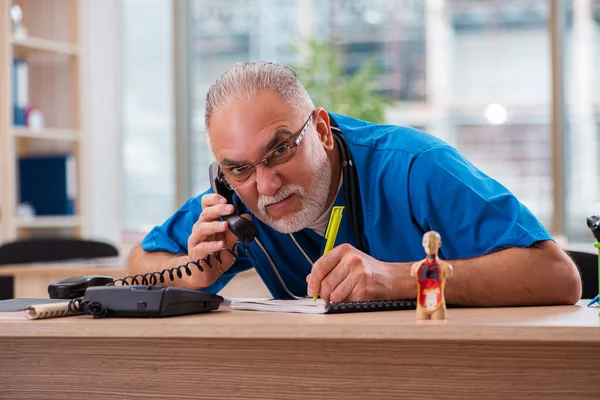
[51, 50]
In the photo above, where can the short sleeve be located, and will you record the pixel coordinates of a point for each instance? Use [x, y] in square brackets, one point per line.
[473, 213]
[172, 236]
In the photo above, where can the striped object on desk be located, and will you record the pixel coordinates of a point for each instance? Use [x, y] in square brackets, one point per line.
[34, 308]
[54, 310]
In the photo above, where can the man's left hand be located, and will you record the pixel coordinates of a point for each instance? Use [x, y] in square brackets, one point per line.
[347, 274]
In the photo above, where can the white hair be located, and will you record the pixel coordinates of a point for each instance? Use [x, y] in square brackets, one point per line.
[243, 81]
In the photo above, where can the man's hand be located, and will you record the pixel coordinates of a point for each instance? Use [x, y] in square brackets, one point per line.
[210, 235]
[347, 274]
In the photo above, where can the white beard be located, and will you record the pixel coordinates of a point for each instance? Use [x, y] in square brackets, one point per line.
[314, 200]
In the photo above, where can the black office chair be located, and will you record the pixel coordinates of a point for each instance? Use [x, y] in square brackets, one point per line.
[587, 263]
[48, 249]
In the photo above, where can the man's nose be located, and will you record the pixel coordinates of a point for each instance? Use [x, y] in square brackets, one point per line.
[268, 181]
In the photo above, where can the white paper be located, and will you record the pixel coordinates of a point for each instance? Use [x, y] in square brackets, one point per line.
[304, 306]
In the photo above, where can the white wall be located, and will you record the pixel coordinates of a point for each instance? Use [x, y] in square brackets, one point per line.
[148, 113]
[509, 67]
[101, 37]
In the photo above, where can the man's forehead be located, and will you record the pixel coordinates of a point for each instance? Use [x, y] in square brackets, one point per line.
[251, 127]
[251, 116]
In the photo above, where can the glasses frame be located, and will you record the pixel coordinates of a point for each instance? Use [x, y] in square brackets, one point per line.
[269, 155]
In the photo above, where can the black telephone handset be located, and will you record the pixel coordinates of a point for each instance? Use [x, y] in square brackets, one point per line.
[241, 227]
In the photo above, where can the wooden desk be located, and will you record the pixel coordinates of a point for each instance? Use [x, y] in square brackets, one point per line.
[32, 280]
[517, 353]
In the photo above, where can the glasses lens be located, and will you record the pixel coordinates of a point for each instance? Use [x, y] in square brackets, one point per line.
[235, 185]
[281, 154]
[239, 175]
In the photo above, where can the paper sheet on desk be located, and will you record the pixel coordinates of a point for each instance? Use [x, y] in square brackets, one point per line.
[304, 306]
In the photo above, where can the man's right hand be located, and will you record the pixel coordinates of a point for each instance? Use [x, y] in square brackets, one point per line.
[210, 235]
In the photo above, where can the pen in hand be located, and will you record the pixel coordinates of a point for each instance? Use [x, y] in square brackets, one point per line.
[331, 233]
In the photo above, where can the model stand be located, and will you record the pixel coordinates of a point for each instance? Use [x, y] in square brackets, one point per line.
[431, 274]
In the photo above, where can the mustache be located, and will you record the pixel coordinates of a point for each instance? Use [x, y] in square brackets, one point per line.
[286, 191]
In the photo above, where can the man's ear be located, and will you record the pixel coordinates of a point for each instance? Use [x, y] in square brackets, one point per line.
[324, 128]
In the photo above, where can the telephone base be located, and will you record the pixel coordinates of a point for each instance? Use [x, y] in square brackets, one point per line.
[150, 301]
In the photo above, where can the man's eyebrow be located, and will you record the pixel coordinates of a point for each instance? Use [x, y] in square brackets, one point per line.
[226, 162]
[281, 133]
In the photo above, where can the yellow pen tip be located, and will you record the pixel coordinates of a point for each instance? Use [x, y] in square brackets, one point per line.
[315, 297]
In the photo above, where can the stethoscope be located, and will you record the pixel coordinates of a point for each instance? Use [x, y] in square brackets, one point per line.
[352, 200]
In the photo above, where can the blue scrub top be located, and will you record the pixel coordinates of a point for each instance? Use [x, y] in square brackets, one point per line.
[410, 183]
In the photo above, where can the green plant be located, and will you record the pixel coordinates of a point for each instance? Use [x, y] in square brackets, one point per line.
[321, 72]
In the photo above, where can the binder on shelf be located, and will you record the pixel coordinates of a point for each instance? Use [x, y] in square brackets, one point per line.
[48, 184]
[20, 92]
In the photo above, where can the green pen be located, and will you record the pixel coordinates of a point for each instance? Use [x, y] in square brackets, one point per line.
[331, 233]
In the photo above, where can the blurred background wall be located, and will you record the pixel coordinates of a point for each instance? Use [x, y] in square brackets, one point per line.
[121, 84]
[477, 73]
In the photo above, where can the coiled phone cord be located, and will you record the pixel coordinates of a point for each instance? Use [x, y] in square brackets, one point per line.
[79, 305]
[152, 278]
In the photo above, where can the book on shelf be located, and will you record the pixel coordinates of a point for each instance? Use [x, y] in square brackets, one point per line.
[20, 92]
[48, 183]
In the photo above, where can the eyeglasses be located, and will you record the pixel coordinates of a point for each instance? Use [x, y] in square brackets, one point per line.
[238, 177]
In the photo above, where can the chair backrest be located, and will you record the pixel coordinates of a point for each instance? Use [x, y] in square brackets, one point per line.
[53, 249]
[587, 262]
[48, 249]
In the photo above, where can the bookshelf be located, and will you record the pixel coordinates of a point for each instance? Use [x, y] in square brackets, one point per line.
[51, 52]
